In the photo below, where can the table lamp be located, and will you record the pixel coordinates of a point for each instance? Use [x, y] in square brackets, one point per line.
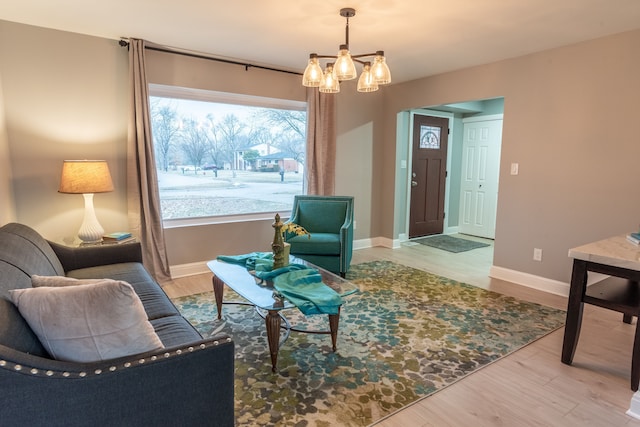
[87, 177]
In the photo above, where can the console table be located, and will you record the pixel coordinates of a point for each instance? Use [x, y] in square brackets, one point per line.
[615, 257]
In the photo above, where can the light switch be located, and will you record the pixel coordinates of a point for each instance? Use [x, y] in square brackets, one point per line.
[514, 169]
[403, 164]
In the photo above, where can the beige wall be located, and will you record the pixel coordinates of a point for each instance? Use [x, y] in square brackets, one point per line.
[569, 121]
[359, 118]
[190, 72]
[65, 97]
[7, 206]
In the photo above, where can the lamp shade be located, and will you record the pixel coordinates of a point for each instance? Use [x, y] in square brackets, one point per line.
[85, 176]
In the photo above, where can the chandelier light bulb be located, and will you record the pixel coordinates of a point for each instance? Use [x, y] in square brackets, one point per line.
[344, 67]
[330, 83]
[312, 76]
[380, 70]
[366, 82]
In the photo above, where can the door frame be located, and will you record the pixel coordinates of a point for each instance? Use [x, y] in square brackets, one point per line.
[409, 146]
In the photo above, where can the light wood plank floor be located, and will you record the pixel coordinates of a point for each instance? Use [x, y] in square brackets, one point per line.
[530, 387]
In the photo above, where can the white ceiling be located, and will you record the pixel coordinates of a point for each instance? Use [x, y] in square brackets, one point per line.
[419, 37]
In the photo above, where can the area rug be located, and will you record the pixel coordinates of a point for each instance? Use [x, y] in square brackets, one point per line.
[405, 334]
[450, 243]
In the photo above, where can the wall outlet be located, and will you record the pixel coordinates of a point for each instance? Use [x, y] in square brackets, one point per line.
[537, 254]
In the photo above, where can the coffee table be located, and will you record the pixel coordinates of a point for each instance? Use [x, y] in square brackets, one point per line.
[263, 296]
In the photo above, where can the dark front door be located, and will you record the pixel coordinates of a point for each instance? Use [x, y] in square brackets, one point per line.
[429, 172]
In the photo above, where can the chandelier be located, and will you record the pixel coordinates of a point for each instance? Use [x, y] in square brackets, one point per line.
[328, 81]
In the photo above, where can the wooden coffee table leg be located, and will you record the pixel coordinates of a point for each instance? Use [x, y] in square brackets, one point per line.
[218, 290]
[273, 335]
[334, 320]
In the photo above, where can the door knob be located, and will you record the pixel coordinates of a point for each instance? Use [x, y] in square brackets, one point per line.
[414, 184]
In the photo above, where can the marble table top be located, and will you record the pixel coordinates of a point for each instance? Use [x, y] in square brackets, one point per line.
[615, 251]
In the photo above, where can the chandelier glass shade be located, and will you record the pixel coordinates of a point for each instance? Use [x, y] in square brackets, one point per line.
[330, 83]
[344, 68]
[367, 81]
[313, 74]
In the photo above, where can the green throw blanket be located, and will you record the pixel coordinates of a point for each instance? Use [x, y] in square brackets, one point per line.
[305, 289]
[298, 283]
[261, 263]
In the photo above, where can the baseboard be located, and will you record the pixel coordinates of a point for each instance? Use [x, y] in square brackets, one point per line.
[386, 242]
[363, 244]
[451, 230]
[634, 410]
[184, 270]
[376, 241]
[529, 280]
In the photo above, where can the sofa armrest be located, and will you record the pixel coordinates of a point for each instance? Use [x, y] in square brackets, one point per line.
[73, 258]
[187, 385]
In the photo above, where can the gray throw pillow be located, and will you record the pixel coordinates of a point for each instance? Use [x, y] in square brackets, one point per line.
[57, 281]
[87, 322]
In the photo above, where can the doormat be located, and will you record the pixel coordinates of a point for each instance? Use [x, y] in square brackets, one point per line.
[450, 243]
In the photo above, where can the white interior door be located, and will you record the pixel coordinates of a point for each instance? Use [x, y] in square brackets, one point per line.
[480, 172]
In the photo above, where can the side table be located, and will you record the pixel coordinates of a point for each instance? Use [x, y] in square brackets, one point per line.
[75, 242]
[615, 257]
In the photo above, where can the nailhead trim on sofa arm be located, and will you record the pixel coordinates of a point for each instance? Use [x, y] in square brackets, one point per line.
[102, 368]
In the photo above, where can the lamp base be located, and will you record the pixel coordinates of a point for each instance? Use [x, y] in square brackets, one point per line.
[90, 231]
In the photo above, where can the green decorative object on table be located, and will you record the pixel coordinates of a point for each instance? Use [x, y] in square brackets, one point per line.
[278, 245]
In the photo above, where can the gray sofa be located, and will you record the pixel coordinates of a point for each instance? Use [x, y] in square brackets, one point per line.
[189, 382]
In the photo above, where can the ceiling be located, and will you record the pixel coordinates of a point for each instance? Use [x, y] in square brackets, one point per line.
[419, 37]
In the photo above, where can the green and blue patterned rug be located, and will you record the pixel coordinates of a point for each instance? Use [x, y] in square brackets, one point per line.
[406, 334]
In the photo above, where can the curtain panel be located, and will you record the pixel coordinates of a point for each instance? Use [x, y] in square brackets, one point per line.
[321, 143]
[143, 199]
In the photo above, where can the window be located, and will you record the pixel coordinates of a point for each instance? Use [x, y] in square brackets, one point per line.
[221, 155]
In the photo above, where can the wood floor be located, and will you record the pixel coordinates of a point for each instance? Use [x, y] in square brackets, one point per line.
[530, 387]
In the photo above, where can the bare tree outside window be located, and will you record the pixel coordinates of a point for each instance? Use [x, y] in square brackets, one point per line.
[166, 130]
[230, 132]
[194, 143]
[217, 159]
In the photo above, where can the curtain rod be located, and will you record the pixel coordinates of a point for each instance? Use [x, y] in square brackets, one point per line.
[123, 42]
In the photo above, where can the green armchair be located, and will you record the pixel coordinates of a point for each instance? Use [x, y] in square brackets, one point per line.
[329, 220]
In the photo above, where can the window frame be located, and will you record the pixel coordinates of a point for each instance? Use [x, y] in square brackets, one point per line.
[178, 92]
